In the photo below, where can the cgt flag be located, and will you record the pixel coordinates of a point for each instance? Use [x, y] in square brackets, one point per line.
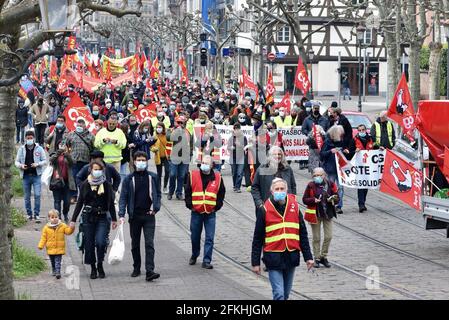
[270, 88]
[77, 110]
[401, 180]
[302, 79]
[401, 108]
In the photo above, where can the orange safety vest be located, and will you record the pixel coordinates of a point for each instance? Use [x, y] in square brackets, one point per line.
[282, 231]
[204, 201]
[215, 155]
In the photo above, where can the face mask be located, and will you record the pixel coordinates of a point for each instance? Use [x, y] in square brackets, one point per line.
[316, 112]
[130, 105]
[205, 167]
[318, 180]
[141, 165]
[97, 173]
[116, 104]
[279, 196]
[203, 120]
[97, 128]
[159, 130]
[145, 130]
[165, 109]
[79, 129]
[362, 134]
[282, 113]
[172, 107]
[221, 100]
[271, 118]
[217, 116]
[30, 142]
[308, 109]
[241, 120]
[59, 125]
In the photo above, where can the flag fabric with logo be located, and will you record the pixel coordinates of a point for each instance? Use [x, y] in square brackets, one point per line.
[270, 88]
[285, 102]
[183, 65]
[401, 180]
[401, 108]
[77, 110]
[25, 87]
[317, 135]
[301, 78]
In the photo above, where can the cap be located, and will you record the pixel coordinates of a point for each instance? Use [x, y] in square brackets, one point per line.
[334, 104]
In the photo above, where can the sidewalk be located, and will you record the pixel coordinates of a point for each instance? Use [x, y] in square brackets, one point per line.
[178, 279]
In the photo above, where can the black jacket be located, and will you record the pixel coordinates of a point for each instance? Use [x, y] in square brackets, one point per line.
[344, 122]
[21, 117]
[88, 197]
[112, 176]
[205, 178]
[260, 189]
[278, 260]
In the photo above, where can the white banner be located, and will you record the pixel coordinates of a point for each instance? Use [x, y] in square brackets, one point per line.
[294, 142]
[364, 171]
[226, 132]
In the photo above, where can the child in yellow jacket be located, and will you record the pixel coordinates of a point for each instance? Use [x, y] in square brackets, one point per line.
[53, 238]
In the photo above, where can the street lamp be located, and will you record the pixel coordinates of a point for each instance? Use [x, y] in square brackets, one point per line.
[311, 55]
[360, 36]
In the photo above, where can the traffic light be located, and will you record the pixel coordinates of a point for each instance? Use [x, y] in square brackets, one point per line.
[203, 57]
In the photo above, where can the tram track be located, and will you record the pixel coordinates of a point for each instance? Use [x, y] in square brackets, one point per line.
[347, 269]
[225, 256]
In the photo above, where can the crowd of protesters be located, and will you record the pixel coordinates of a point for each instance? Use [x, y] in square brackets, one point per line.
[96, 171]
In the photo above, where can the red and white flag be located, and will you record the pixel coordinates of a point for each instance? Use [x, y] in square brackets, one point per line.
[301, 78]
[270, 88]
[248, 82]
[77, 110]
[401, 180]
[318, 137]
[285, 103]
[183, 65]
[401, 109]
[145, 114]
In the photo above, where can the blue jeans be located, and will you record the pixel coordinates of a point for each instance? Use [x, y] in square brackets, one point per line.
[334, 178]
[20, 134]
[76, 167]
[177, 175]
[237, 175]
[59, 196]
[281, 282]
[124, 171]
[95, 231]
[35, 182]
[196, 228]
[56, 260]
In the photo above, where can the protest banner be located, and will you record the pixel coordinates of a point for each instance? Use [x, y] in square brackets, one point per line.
[294, 142]
[364, 170]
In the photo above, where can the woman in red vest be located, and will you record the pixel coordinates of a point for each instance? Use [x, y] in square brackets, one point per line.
[281, 233]
[204, 195]
[320, 198]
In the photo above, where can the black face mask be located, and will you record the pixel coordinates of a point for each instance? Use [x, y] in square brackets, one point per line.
[316, 112]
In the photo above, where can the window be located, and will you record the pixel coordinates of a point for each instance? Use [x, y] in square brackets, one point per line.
[284, 34]
[368, 37]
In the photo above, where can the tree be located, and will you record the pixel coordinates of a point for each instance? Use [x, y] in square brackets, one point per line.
[13, 15]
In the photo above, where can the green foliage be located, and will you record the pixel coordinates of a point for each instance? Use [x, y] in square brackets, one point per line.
[424, 56]
[23, 296]
[18, 218]
[442, 194]
[17, 186]
[424, 65]
[25, 262]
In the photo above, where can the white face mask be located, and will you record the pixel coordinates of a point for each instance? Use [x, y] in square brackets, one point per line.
[282, 113]
[159, 130]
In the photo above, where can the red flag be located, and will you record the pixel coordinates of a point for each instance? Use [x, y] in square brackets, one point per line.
[154, 70]
[77, 110]
[401, 108]
[53, 69]
[146, 113]
[108, 73]
[68, 76]
[248, 82]
[446, 163]
[301, 78]
[401, 180]
[183, 65]
[270, 88]
[285, 102]
[68, 59]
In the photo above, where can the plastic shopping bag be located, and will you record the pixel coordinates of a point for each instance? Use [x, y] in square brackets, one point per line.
[46, 175]
[118, 247]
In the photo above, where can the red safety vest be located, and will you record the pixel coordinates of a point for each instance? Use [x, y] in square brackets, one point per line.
[282, 231]
[204, 201]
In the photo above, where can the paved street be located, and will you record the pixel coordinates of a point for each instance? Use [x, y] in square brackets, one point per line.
[387, 243]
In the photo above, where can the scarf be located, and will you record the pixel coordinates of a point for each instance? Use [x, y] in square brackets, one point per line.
[96, 184]
[51, 225]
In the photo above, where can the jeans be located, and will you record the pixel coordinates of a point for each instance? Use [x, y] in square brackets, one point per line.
[124, 170]
[334, 178]
[20, 134]
[76, 167]
[346, 93]
[147, 223]
[281, 282]
[95, 231]
[40, 130]
[316, 232]
[177, 176]
[196, 228]
[56, 260]
[361, 196]
[59, 196]
[237, 175]
[35, 182]
[166, 165]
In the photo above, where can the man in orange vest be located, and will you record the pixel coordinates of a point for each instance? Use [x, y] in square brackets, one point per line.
[281, 232]
[204, 195]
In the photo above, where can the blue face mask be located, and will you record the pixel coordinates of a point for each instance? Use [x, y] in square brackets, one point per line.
[59, 125]
[318, 180]
[205, 167]
[95, 113]
[79, 129]
[97, 173]
[30, 142]
[279, 196]
[362, 134]
[141, 165]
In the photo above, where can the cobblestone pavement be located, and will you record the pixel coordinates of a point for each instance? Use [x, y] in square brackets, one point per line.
[388, 239]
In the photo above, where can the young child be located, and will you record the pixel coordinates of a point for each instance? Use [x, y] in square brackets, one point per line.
[53, 238]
